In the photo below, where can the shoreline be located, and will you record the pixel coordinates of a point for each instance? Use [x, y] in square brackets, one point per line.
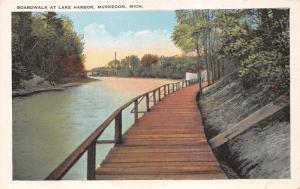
[58, 87]
[137, 77]
[64, 86]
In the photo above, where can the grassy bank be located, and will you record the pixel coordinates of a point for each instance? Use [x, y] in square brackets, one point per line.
[262, 151]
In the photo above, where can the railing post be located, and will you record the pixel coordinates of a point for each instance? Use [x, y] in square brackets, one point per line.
[147, 102]
[159, 94]
[164, 90]
[169, 88]
[136, 110]
[118, 128]
[91, 161]
[154, 97]
[172, 87]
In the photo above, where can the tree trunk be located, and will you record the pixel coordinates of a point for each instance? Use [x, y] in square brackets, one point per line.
[205, 49]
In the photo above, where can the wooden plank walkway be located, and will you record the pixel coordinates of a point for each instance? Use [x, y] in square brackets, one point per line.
[166, 143]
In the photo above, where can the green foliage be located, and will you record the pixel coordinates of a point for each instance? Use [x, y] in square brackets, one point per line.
[130, 62]
[190, 23]
[21, 42]
[149, 60]
[183, 32]
[257, 39]
[40, 41]
[116, 64]
[262, 48]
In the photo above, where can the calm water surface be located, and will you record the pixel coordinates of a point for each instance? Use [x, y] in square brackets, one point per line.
[47, 127]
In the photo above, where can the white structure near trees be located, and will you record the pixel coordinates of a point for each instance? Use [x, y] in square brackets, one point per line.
[193, 74]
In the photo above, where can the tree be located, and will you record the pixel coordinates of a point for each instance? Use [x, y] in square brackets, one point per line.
[115, 64]
[134, 61]
[125, 63]
[21, 42]
[130, 62]
[148, 60]
[191, 33]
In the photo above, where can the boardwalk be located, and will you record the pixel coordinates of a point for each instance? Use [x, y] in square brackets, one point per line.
[166, 143]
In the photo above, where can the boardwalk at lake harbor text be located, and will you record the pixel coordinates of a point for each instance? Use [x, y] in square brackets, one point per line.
[168, 142]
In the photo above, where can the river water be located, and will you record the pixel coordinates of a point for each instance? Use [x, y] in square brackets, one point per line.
[48, 126]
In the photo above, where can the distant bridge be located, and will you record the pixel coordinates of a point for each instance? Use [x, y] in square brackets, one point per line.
[167, 142]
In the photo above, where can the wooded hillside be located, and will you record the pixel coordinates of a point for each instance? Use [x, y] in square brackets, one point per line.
[255, 40]
[46, 45]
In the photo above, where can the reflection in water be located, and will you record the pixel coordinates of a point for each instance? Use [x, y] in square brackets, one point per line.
[47, 127]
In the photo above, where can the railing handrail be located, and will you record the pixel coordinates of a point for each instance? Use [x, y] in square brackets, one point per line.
[67, 164]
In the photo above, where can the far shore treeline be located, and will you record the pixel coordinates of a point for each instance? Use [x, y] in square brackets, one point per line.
[45, 45]
[151, 65]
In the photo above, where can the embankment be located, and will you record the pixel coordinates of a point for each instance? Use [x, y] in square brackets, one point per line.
[260, 151]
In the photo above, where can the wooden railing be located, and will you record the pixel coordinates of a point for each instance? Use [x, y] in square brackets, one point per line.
[89, 144]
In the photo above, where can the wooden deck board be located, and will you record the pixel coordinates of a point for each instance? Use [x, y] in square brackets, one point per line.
[166, 143]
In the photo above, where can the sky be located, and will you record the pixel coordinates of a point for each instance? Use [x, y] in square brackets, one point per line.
[126, 32]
